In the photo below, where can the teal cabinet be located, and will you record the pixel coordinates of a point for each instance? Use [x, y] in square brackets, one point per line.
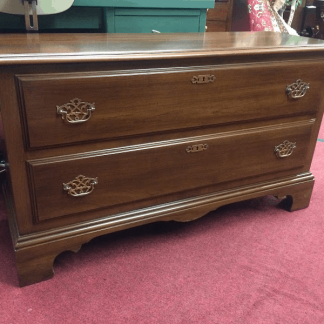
[121, 16]
[188, 4]
[149, 20]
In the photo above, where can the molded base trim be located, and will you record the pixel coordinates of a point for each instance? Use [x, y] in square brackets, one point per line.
[35, 253]
[175, 210]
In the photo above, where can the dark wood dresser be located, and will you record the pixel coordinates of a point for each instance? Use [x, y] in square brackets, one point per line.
[107, 132]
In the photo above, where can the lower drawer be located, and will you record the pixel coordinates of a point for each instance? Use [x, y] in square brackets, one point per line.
[72, 184]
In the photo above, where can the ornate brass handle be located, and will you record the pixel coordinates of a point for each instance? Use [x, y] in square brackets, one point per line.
[80, 186]
[3, 166]
[76, 111]
[285, 149]
[197, 148]
[203, 79]
[297, 89]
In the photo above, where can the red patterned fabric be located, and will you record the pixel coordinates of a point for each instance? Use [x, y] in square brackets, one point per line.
[259, 16]
[263, 17]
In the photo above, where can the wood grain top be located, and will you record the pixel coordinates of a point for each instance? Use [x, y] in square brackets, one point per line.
[44, 48]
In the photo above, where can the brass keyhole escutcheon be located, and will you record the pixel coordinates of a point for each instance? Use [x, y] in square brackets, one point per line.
[197, 148]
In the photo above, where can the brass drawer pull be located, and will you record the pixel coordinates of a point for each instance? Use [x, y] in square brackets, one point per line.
[203, 79]
[297, 89]
[3, 166]
[285, 149]
[80, 186]
[197, 148]
[76, 111]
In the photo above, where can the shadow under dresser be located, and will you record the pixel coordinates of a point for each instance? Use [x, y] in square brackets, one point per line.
[107, 132]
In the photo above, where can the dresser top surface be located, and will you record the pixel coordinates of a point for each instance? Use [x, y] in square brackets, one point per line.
[51, 48]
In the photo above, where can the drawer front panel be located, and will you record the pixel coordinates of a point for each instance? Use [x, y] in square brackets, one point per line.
[148, 101]
[139, 173]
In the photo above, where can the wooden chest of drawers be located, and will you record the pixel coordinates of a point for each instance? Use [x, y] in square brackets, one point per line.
[106, 132]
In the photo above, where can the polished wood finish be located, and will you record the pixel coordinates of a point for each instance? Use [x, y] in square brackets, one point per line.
[75, 48]
[119, 115]
[159, 145]
[129, 174]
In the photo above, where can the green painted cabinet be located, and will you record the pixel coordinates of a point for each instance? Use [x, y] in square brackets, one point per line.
[121, 16]
[123, 20]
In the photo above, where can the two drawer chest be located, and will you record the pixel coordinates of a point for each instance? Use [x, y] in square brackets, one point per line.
[107, 132]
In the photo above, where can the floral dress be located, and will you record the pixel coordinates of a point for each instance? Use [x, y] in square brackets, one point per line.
[264, 17]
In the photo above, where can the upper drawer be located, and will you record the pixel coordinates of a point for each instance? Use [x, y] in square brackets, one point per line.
[138, 174]
[57, 107]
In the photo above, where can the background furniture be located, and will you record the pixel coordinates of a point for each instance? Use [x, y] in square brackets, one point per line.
[240, 16]
[219, 18]
[138, 16]
[313, 20]
[298, 17]
[107, 132]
